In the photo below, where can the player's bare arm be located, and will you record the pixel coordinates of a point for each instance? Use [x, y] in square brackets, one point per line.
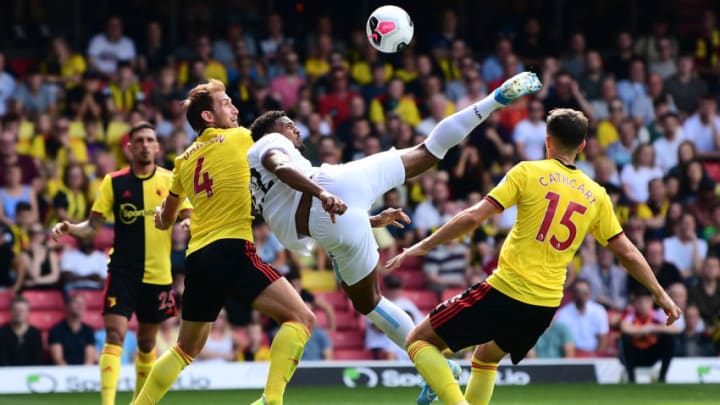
[83, 230]
[390, 216]
[460, 224]
[277, 162]
[165, 215]
[632, 260]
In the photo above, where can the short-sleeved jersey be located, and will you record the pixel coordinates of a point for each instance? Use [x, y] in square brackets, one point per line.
[557, 206]
[139, 249]
[214, 175]
[273, 199]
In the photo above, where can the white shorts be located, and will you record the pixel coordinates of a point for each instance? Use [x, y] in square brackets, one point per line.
[350, 241]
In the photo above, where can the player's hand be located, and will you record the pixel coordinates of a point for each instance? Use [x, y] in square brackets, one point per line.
[61, 228]
[414, 250]
[185, 224]
[332, 204]
[671, 309]
[158, 219]
[390, 216]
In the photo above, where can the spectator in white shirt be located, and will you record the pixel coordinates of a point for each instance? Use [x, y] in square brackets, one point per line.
[685, 250]
[108, 48]
[84, 267]
[666, 148]
[529, 135]
[7, 86]
[703, 128]
[587, 321]
[636, 175]
[428, 214]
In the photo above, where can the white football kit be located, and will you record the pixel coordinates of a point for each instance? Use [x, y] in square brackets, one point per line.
[349, 241]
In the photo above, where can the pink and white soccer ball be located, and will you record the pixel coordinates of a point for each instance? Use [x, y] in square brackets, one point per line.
[389, 29]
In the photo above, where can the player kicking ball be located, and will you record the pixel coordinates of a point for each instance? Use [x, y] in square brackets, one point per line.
[330, 203]
[557, 206]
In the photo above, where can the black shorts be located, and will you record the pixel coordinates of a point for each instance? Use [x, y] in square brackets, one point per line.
[227, 269]
[482, 314]
[124, 294]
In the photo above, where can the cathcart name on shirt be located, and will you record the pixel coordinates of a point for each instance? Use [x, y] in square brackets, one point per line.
[129, 213]
[198, 145]
[572, 183]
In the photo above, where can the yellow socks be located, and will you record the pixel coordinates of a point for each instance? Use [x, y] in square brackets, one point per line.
[433, 367]
[162, 376]
[143, 365]
[285, 353]
[482, 382]
[109, 372]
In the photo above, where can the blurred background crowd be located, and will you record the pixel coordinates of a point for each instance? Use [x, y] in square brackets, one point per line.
[646, 74]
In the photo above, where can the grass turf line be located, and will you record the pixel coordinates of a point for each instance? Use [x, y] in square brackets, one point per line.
[586, 394]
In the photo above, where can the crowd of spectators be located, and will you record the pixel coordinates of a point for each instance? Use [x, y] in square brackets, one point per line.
[654, 144]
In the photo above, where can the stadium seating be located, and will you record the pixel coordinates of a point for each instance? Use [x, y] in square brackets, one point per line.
[44, 299]
[425, 300]
[94, 319]
[46, 319]
[412, 280]
[348, 340]
[4, 316]
[104, 239]
[337, 299]
[5, 299]
[346, 320]
[352, 354]
[93, 298]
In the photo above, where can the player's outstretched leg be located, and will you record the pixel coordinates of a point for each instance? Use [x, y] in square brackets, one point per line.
[451, 131]
[424, 348]
[427, 395]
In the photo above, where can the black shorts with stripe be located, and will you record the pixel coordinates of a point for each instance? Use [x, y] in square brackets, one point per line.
[124, 294]
[226, 269]
[482, 314]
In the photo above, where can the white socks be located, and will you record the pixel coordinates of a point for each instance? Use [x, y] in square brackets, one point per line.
[392, 320]
[451, 131]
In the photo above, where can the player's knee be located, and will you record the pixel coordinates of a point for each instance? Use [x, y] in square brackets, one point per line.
[307, 318]
[114, 335]
[146, 344]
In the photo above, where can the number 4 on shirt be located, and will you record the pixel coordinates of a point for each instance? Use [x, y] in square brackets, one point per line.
[202, 180]
[566, 221]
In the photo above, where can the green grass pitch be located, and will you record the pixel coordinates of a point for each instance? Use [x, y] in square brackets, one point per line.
[585, 394]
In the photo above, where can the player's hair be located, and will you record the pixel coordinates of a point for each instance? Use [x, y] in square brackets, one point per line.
[139, 127]
[569, 127]
[265, 123]
[200, 99]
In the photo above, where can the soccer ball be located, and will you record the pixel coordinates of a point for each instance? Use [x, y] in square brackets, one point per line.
[389, 29]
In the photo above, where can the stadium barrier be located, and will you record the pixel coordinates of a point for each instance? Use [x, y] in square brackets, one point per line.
[212, 376]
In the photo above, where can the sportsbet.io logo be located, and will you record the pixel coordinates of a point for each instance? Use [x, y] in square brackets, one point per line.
[359, 376]
[40, 383]
[129, 213]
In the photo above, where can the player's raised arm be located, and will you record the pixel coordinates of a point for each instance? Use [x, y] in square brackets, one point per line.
[277, 162]
[83, 230]
[632, 260]
[462, 223]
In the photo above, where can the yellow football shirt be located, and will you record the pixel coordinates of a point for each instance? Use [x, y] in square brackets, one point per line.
[557, 205]
[139, 248]
[215, 176]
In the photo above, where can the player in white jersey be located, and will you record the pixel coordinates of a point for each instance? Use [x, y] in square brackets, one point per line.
[284, 183]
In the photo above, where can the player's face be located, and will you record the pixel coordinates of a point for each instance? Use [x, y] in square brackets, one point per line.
[224, 111]
[144, 147]
[287, 128]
